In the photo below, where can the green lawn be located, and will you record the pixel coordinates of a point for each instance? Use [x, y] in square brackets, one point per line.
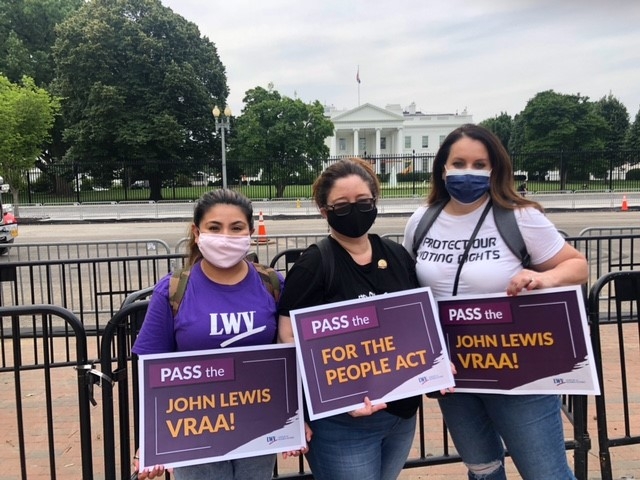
[258, 192]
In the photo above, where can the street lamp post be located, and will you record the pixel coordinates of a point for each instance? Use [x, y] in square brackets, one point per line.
[223, 123]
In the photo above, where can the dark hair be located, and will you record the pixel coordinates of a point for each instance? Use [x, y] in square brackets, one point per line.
[502, 190]
[206, 202]
[341, 169]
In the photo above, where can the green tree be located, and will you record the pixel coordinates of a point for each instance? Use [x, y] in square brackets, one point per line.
[501, 125]
[616, 117]
[561, 126]
[516, 140]
[26, 114]
[288, 132]
[632, 140]
[139, 82]
[27, 34]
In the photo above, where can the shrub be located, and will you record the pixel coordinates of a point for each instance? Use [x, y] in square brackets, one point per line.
[633, 174]
[417, 177]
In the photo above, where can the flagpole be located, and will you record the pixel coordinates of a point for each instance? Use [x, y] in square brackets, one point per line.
[358, 80]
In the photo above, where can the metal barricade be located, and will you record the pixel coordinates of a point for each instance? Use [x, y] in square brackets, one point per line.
[51, 416]
[31, 252]
[604, 231]
[617, 413]
[119, 335]
[93, 289]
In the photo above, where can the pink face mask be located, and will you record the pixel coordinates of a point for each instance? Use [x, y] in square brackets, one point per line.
[223, 251]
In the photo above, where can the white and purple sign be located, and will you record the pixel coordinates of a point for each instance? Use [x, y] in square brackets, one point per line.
[206, 406]
[386, 348]
[534, 343]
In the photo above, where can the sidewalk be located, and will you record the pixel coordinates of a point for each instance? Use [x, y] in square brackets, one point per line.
[291, 208]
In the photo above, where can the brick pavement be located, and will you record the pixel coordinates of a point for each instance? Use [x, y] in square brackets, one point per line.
[625, 459]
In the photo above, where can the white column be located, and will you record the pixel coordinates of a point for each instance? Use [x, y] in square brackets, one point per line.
[378, 150]
[400, 142]
[356, 142]
[334, 144]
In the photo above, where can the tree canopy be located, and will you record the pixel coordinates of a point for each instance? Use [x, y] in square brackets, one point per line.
[616, 116]
[501, 125]
[27, 33]
[26, 114]
[632, 140]
[139, 82]
[553, 124]
[287, 130]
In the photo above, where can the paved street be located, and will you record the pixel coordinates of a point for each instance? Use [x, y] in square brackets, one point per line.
[294, 208]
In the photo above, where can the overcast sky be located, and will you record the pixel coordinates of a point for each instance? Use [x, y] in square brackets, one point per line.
[489, 56]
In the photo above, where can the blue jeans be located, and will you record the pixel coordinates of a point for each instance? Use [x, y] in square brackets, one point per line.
[530, 425]
[252, 468]
[363, 448]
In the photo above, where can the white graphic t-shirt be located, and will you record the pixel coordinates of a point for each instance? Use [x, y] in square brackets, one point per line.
[490, 264]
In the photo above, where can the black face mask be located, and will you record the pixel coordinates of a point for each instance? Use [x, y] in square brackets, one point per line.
[353, 225]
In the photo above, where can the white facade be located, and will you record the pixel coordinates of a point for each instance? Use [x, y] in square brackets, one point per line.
[372, 130]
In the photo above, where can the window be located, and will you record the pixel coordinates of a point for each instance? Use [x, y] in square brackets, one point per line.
[383, 143]
[407, 142]
[442, 137]
[342, 144]
[425, 141]
[362, 146]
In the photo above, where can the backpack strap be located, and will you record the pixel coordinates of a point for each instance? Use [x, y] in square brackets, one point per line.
[510, 232]
[180, 278]
[177, 287]
[328, 265]
[506, 223]
[425, 224]
[270, 279]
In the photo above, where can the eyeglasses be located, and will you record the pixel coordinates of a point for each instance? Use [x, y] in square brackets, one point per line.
[363, 205]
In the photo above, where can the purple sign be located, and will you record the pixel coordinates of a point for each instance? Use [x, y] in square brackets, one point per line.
[200, 407]
[386, 348]
[536, 342]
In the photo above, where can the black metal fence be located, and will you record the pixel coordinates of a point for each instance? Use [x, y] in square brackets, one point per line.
[55, 431]
[616, 411]
[401, 175]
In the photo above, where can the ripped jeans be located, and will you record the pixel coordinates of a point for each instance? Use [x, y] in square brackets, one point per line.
[529, 425]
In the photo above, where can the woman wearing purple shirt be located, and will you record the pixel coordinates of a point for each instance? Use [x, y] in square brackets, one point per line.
[225, 304]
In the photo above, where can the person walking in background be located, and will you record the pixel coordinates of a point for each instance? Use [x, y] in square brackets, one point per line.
[471, 172]
[522, 189]
[220, 281]
[373, 442]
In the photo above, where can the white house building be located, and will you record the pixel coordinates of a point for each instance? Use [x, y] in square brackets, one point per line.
[372, 130]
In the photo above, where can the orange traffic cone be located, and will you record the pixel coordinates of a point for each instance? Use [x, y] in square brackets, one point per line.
[262, 230]
[625, 205]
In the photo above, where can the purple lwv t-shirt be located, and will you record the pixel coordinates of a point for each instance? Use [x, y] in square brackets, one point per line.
[210, 316]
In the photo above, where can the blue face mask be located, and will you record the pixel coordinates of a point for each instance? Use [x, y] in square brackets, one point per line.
[466, 186]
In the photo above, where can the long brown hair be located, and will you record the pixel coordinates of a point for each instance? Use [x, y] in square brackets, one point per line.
[501, 190]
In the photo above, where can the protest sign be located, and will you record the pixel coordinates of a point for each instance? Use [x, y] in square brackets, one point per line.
[535, 342]
[385, 347]
[205, 406]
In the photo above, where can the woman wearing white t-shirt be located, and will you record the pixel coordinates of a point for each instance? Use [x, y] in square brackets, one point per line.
[471, 173]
